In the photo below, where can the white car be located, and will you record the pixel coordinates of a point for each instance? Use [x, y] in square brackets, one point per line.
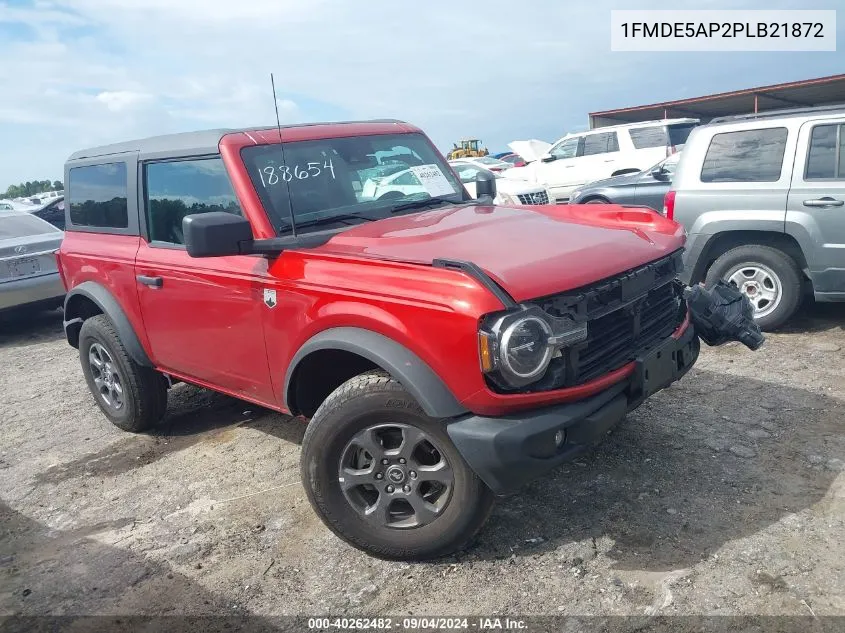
[579, 159]
[488, 162]
[507, 191]
[402, 182]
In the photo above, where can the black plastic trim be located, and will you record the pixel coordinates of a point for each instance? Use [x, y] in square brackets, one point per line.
[475, 271]
[111, 308]
[416, 376]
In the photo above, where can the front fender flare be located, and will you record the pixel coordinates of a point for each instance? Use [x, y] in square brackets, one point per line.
[109, 306]
[413, 373]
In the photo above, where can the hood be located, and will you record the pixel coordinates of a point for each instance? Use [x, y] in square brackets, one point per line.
[530, 150]
[530, 251]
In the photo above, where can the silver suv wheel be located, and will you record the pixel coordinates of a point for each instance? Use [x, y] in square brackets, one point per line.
[760, 284]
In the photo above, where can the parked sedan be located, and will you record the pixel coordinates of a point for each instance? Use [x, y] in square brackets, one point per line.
[29, 274]
[646, 188]
[53, 211]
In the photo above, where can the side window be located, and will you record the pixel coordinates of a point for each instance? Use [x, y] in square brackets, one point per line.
[97, 196]
[600, 143]
[826, 155]
[745, 156]
[566, 149]
[644, 137]
[175, 189]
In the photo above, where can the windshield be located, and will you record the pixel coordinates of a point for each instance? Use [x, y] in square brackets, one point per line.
[468, 172]
[669, 164]
[489, 160]
[360, 176]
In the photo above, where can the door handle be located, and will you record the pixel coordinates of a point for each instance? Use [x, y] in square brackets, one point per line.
[822, 203]
[152, 282]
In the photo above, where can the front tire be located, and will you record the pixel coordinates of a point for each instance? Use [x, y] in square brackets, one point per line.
[385, 477]
[132, 397]
[767, 276]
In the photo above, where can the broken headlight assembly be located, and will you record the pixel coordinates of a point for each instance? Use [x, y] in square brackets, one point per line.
[516, 347]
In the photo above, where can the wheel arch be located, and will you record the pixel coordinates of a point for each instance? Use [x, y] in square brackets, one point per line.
[721, 243]
[90, 299]
[349, 351]
[595, 198]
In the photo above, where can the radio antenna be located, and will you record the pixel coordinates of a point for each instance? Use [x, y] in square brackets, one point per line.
[282, 152]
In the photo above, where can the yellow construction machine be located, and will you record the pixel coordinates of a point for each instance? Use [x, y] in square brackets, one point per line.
[468, 148]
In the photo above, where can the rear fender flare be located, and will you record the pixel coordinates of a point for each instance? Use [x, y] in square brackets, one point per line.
[432, 394]
[109, 306]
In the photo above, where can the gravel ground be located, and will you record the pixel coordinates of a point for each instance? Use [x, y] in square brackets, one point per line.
[724, 494]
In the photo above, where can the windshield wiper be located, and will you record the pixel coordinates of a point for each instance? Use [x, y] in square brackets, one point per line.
[420, 204]
[331, 219]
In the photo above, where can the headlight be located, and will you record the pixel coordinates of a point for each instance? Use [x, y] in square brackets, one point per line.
[524, 350]
[516, 348]
[573, 195]
[507, 198]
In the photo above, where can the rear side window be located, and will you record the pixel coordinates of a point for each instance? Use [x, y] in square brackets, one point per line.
[600, 143]
[745, 156]
[644, 137]
[826, 155]
[97, 196]
[179, 188]
[678, 134]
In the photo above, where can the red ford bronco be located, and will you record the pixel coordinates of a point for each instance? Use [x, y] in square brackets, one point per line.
[445, 350]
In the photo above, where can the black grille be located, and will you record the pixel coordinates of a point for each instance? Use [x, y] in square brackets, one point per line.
[622, 335]
[539, 197]
[626, 316]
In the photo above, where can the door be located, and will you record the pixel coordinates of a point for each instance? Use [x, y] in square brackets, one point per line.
[817, 200]
[598, 158]
[203, 316]
[558, 170]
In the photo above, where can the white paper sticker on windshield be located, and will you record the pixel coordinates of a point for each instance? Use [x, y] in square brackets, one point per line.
[432, 178]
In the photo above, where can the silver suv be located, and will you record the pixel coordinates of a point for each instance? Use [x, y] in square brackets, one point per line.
[762, 198]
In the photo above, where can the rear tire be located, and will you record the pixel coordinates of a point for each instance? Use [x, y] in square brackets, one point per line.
[428, 506]
[764, 272]
[132, 397]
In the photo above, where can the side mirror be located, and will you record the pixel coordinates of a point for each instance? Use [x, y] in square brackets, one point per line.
[216, 234]
[548, 158]
[660, 173]
[485, 185]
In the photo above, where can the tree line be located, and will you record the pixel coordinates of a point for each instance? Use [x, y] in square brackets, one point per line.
[32, 188]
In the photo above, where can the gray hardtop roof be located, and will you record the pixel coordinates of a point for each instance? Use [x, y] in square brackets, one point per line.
[189, 143]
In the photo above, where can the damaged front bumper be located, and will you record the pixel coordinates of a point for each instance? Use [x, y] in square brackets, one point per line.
[509, 451]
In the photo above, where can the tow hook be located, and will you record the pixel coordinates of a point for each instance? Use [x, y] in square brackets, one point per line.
[723, 314]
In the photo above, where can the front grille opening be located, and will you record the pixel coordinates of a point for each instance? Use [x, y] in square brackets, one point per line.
[619, 328]
[540, 197]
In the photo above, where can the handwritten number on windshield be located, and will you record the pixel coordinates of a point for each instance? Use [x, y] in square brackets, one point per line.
[271, 174]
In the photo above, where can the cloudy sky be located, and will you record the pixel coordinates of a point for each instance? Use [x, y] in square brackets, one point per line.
[76, 73]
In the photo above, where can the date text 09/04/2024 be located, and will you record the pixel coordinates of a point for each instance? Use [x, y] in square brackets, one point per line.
[418, 623]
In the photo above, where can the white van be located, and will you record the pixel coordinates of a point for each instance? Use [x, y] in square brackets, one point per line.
[579, 159]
